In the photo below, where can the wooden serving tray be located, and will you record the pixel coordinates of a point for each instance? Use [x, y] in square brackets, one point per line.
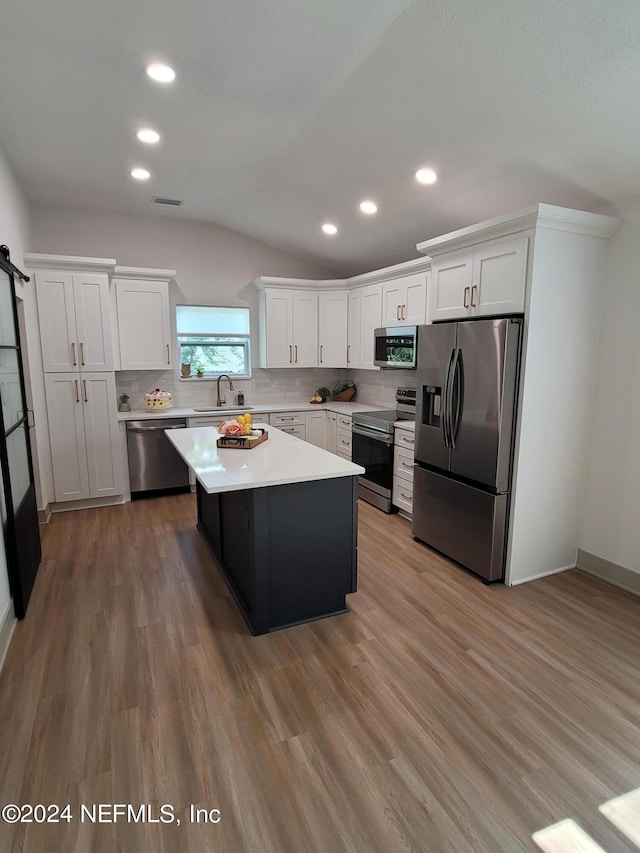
[242, 442]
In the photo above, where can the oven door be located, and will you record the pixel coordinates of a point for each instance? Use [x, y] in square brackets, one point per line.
[374, 451]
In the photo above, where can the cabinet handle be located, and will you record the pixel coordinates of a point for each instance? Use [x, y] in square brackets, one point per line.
[81, 353]
[295, 347]
[290, 354]
[286, 419]
[397, 312]
[474, 290]
[320, 353]
[466, 296]
[406, 497]
[77, 394]
[73, 351]
[348, 348]
[84, 382]
[406, 465]
[404, 309]
[168, 358]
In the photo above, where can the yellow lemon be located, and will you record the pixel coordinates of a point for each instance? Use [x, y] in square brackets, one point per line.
[240, 419]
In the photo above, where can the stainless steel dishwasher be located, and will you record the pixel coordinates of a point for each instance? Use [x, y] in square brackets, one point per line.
[154, 463]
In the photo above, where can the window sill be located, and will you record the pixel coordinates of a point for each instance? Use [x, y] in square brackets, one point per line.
[211, 378]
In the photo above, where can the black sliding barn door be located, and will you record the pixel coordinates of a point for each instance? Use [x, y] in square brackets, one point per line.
[18, 507]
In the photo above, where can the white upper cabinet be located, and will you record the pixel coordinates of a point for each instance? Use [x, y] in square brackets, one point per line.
[485, 281]
[305, 329]
[354, 327]
[288, 328]
[332, 328]
[75, 321]
[404, 300]
[370, 320]
[144, 322]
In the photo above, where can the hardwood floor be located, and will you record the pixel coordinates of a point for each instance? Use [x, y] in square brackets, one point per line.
[438, 715]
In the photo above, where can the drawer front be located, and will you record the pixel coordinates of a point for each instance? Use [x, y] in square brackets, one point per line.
[297, 429]
[403, 464]
[403, 495]
[343, 442]
[344, 422]
[279, 419]
[404, 438]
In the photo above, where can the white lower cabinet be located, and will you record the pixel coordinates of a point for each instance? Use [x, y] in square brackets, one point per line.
[331, 438]
[81, 411]
[292, 422]
[316, 428]
[403, 462]
[343, 436]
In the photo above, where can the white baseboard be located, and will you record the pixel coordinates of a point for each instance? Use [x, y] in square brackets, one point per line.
[44, 515]
[90, 503]
[8, 623]
[538, 577]
[620, 576]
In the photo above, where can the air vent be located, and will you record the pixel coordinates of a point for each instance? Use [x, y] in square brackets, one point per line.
[174, 202]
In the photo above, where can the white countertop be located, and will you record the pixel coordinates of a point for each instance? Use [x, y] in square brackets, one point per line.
[281, 459]
[261, 408]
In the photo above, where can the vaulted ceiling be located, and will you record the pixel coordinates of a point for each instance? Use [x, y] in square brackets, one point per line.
[286, 114]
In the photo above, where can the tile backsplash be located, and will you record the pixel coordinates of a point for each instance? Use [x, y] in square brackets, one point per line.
[265, 386]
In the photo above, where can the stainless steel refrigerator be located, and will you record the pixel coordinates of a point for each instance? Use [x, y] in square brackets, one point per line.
[467, 384]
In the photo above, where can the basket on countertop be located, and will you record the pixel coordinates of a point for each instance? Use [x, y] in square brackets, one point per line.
[343, 391]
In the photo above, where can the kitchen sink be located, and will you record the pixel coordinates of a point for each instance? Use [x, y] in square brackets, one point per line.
[225, 409]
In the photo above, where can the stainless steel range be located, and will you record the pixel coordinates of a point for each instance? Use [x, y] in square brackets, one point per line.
[372, 447]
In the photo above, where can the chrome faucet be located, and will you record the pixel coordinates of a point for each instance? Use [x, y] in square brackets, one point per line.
[222, 400]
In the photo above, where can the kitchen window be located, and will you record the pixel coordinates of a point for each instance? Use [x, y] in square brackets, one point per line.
[214, 339]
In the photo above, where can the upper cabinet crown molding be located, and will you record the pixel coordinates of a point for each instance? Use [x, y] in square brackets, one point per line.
[538, 216]
[387, 273]
[68, 262]
[143, 274]
[263, 281]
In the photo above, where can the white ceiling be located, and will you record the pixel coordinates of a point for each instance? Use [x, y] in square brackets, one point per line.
[287, 113]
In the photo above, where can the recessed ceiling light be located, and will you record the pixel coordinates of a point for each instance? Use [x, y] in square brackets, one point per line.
[146, 134]
[160, 73]
[426, 176]
[368, 207]
[330, 229]
[140, 174]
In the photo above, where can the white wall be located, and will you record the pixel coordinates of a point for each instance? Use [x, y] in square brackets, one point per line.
[14, 232]
[213, 263]
[611, 511]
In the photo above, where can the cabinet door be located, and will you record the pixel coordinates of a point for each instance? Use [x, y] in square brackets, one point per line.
[392, 299]
[330, 444]
[57, 318]
[413, 309]
[66, 434]
[278, 328]
[499, 276]
[371, 314]
[93, 321]
[332, 329]
[98, 394]
[316, 428]
[354, 325]
[144, 324]
[450, 286]
[304, 311]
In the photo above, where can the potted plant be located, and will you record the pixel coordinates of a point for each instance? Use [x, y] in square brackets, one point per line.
[185, 368]
[199, 371]
[321, 395]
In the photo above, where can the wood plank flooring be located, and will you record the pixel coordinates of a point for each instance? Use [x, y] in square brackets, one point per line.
[438, 715]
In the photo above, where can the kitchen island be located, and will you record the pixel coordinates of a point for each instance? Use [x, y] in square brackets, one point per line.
[280, 520]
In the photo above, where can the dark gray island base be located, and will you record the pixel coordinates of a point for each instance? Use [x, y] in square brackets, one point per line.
[287, 552]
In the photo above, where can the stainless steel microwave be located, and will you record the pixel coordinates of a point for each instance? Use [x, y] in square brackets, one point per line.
[396, 347]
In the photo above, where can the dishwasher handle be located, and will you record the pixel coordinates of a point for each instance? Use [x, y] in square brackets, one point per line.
[154, 428]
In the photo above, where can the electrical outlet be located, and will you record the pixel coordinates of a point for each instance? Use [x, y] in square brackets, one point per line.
[134, 386]
[298, 382]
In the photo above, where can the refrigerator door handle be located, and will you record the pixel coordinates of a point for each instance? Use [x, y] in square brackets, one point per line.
[456, 396]
[446, 411]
